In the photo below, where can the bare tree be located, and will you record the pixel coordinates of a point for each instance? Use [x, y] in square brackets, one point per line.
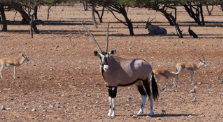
[209, 11]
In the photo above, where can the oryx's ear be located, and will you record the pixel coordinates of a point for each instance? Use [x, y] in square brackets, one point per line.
[112, 52]
[200, 60]
[95, 53]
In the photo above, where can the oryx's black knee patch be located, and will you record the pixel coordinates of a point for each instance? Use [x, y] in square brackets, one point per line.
[141, 90]
[112, 91]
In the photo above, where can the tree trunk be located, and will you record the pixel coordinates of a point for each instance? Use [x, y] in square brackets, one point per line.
[129, 23]
[93, 16]
[121, 9]
[202, 15]
[31, 26]
[193, 15]
[48, 12]
[221, 7]
[35, 12]
[171, 19]
[85, 5]
[24, 15]
[3, 18]
[99, 17]
[209, 11]
[29, 10]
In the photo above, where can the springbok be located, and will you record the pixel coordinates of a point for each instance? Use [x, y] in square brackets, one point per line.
[159, 73]
[190, 67]
[117, 71]
[154, 29]
[12, 62]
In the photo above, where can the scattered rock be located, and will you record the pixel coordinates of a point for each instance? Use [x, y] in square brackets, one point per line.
[3, 107]
[23, 103]
[126, 104]
[193, 91]
[135, 116]
[33, 109]
[50, 106]
[50, 78]
[199, 83]
[129, 98]
[195, 87]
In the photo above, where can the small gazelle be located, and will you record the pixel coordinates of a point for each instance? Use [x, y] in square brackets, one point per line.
[190, 67]
[10, 62]
[159, 73]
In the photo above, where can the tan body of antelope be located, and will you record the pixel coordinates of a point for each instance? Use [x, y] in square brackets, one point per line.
[11, 62]
[163, 73]
[118, 71]
[190, 67]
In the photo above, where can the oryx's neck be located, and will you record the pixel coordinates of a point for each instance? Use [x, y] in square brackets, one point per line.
[111, 61]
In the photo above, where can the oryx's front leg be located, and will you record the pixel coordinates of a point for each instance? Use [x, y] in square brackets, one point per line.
[144, 96]
[112, 91]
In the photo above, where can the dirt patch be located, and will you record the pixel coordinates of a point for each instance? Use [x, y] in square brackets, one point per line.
[62, 81]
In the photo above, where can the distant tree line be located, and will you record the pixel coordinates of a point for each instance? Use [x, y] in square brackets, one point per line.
[192, 7]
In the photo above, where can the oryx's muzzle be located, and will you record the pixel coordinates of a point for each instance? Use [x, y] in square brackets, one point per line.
[106, 68]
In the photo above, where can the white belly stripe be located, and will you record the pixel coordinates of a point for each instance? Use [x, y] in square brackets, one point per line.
[8, 65]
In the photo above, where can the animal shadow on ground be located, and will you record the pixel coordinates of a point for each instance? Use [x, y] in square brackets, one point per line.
[168, 115]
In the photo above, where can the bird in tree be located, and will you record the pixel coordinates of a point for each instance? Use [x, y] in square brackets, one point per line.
[192, 33]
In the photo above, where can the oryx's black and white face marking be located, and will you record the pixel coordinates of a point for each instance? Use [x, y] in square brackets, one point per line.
[104, 56]
[147, 25]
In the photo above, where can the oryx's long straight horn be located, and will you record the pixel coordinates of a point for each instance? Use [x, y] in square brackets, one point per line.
[106, 48]
[93, 38]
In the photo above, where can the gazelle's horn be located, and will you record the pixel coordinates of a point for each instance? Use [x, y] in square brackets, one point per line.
[106, 48]
[93, 38]
[203, 57]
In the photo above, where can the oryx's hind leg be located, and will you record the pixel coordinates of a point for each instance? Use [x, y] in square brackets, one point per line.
[144, 96]
[112, 91]
[146, 84]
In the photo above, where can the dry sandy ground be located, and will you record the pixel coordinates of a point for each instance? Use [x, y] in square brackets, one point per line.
[62, 82]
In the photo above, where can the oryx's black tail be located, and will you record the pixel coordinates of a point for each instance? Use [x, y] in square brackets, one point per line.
[155, 90]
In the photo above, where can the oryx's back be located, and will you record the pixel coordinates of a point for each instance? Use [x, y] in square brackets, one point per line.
[126, 71]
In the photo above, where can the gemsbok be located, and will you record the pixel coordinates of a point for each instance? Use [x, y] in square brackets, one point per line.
[154, 29]
[163, 73]
[190, 67]
[117, 71]
[12, 62]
